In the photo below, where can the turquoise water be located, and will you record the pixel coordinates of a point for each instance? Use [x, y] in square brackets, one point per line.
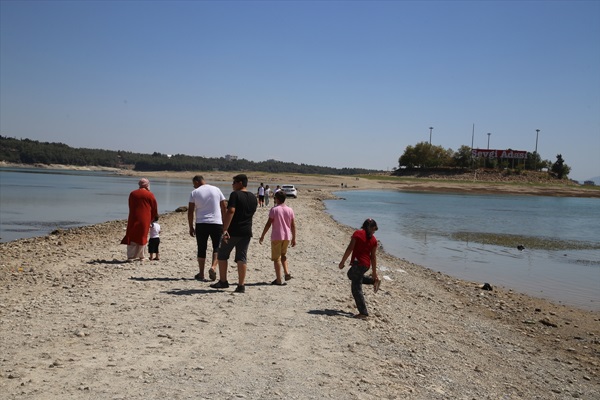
[444, 232]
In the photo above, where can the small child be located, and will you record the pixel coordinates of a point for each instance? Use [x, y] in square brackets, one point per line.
[363, 247]
[281, 217]
[154, 240]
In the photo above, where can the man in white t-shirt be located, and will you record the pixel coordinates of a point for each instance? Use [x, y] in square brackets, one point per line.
[209, 204]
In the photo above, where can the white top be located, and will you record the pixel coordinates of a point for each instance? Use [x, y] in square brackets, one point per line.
[207, 199]
[154, 230]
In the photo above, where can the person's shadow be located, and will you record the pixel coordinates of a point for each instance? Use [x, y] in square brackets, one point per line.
[114, 262]
[331, 313]
[189, 292]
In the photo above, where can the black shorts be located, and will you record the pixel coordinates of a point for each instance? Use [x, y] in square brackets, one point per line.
[203, 232]
[153, 245]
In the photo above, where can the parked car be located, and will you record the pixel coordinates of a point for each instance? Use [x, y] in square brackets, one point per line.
[289, 190]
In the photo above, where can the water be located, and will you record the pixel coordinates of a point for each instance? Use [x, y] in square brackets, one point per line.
[35, 202]
[435, 230]
[444, 232]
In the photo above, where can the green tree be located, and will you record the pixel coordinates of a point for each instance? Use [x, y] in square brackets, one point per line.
[425, 155]
[463, 157]
[559, 168]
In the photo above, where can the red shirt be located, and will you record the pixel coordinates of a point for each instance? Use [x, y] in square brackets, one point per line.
[362, 247]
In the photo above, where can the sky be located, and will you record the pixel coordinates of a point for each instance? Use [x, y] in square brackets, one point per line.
[329, 83]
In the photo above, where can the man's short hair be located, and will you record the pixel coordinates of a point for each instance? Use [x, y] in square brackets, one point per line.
[241, 178]
[198, 178]
[280, 196]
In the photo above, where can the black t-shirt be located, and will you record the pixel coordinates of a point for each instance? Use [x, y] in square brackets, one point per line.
[245, 206]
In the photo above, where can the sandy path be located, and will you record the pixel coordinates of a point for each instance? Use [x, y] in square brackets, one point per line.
[78, 323]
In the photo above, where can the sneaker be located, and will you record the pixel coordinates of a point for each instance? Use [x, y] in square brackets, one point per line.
[220, 285]
[212, 274]
[288, 277]
[240, 289]
[198, 277]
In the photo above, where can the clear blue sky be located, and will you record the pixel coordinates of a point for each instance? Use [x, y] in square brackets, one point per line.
[332, 83]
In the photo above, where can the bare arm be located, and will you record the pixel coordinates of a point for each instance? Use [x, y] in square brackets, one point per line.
[266, 229]
[293, 232]
[227, 217]
[191, 208]
[223, 205]
[347, 253]
[374, 262]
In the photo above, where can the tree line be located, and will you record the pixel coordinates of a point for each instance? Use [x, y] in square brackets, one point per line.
[27, 151]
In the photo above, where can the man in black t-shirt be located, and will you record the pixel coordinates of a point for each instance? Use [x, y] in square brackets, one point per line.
[237, 231]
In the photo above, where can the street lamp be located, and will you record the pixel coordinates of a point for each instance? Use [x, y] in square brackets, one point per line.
[489, 134]
[537, 132]
[430, 129]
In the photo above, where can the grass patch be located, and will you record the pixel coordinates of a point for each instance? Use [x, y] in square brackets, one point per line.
[529, 242]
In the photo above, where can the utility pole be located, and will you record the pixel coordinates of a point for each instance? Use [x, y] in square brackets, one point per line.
[535, 156]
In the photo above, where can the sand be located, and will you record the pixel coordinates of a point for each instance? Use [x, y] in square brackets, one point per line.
[78, 322]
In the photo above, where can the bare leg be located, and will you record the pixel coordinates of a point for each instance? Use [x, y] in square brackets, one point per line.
[215, 262]
[277, 266]
[285, 265]
[241, 267]
[223, 270]
[201, 262]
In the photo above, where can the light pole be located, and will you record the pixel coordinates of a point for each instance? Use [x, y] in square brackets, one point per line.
[489, 134]
[430, 129]
[537, 132]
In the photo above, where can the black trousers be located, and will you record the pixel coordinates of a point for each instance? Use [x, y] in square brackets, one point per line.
[356, 274]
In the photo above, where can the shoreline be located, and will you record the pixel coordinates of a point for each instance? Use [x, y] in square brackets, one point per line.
[334, 182]
[78, 321]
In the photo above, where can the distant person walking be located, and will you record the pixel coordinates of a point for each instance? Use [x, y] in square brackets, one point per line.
[237, 232]
[143, 209]
[363, 247]
[281, 218]
[268, 192]
[261, 195]
[208, 203]
[154, 240]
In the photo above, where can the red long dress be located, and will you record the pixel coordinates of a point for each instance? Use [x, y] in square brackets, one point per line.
[142, 211]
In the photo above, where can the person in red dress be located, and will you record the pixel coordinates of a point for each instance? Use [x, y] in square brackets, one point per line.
[143, 209]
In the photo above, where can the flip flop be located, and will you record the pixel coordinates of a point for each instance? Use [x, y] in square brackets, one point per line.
[376, 285]
[278, 284]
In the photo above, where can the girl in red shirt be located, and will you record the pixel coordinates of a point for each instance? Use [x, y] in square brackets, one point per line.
[363, 247]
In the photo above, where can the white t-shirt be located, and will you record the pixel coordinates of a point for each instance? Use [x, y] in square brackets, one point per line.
[154, 230]
[207, 199]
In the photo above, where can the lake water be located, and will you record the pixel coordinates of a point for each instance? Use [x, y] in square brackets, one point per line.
[34, 202]
[439, 231]
[451, 233]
